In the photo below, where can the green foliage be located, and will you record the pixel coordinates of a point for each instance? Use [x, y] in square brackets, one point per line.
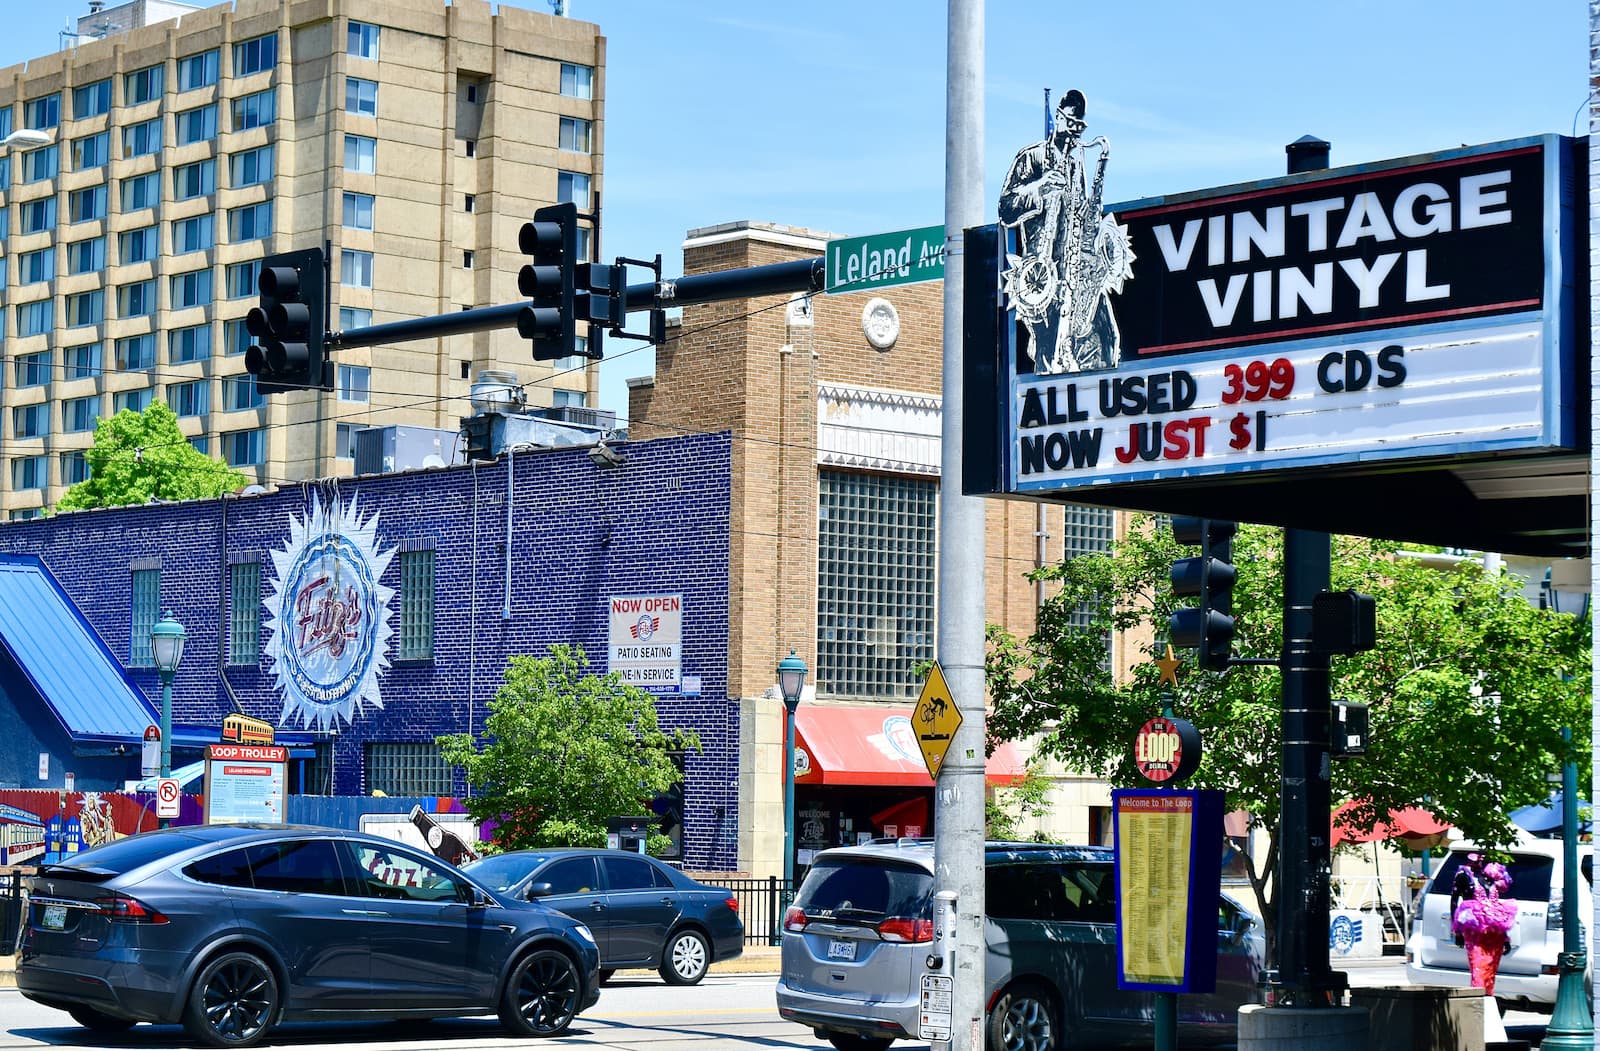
[140, 456]
[657, 845]
[1469, 687]
[1008, 808]
[563, 750]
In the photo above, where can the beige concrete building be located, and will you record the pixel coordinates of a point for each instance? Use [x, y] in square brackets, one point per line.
[414, 136]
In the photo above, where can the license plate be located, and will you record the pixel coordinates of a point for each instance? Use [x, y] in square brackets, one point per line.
[841, 950]
[55, 917]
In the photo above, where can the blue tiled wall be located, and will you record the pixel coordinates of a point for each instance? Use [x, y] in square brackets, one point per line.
[578, 535]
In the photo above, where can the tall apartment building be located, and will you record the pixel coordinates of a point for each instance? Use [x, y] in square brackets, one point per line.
[413, 136]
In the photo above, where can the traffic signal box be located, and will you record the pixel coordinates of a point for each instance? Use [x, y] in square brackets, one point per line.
[1208, 627]
[549, 281]
[287, 324]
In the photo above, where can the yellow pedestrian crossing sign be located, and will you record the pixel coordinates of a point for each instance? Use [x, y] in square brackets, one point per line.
[936, 720]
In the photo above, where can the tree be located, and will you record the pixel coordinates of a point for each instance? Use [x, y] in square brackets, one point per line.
[1469, 687]
[564, 749]
[142, 456]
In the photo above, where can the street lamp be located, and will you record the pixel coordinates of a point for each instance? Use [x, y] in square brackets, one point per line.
[791, 680]
[166, 646]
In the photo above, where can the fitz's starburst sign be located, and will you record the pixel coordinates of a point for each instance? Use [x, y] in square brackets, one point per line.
[328, 617]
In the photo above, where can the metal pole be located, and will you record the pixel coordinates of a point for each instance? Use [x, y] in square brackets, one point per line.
[166, 729]
[1571, 1025]
[958, 824]
[788, 800]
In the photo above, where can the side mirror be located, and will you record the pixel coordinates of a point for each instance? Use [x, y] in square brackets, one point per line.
[539, 890]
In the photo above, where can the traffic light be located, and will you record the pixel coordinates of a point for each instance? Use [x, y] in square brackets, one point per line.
[550, 281]
[1207, 627]
[287, 324]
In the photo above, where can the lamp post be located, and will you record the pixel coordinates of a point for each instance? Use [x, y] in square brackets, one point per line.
[1570, 1023]
[791, 680]
[166, 646]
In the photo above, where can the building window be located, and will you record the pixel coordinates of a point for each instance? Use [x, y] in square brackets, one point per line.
[42, 163]
[408, 770]
[144, 85]
[189, 399]
[471, 146]
[361, 96]
[250, 223]
[468, 202]
[91, 151]
[141, 191]
[358, 211]
[30, 472]
[35, 266]
[360, 154]
[255, 111]
[875, 583]
[197, 125]
[201, 443]
[355, 383]
[362, 41]
[193, 234]
[472, 94]
[137, 299]
[74, 467]
[344, 441]
[236, 338]
[86, 257]
[255, 56]
[91, 100]
[136, 352]
[466, 259]
[80, 414]
[36, 318]
[245, 448]
[416, 605]
[38, 216]
[146, 610]
[43, 112]
[240, 279]
[574, 187]
[33, 370]
[197, 71]
[83, 362]
[354, 317]
[575, 398]
[132, 400]
[574, 135]
[251, 167]
[30, 421]
[577, 82]
[86, 205]
[25, 514]
[141, 140]
[244, 613]
[192, 289]
[194, 180]
[355, 268]
[239, 392]
[137, 246]
[86, 308]
[189, 344]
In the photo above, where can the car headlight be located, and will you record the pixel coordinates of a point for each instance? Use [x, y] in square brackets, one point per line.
[585, 933]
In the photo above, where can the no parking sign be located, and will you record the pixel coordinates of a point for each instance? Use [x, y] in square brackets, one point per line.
[168, 797]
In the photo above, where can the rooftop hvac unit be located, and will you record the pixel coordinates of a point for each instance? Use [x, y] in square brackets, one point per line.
[605, 419]
[381, 450]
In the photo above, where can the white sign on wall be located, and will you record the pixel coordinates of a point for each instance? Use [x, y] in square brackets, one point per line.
[646, 641]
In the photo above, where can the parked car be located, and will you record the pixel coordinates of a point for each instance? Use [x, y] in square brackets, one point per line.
[856, 939]
[231, 929]
[1528, 973]
[643, 913]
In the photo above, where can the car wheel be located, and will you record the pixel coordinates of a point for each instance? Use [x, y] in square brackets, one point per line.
[686, 959]
[234, 1001]
[852, 1042]
[99, 1021]
[541, 998]
[606, 973]
[1023, 1019]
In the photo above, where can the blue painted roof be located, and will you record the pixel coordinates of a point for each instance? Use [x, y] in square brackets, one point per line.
[66, 660]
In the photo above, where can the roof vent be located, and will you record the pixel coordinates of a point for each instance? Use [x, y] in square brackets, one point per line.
[497, 392]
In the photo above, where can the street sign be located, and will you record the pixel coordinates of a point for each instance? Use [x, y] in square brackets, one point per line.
[901, 257]
[933, 1022]
[1166, 749]
[168, 797]
[150, 752]
[935, 719]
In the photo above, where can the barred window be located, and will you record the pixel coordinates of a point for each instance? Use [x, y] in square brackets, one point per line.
[416, 605]
[146, 610]
[875, 583]
[244, 612]
[408, 769]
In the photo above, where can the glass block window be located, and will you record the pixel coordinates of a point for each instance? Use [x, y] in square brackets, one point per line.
[141, 191]
[250, 167]
[146, 611]
[355, 268]
[36, 318]
[360, 154]
[1087, 531]
[86, 308]
[144, 85]
[875, 583]
[194, 180]
[137, 246]
[362, 41]
[255, 56]
[577, 82]
[132, 400]
[37, 265]
[87, 205]
[192, 289]
[239, 392]
[136, 352]
[33, 370]
[244, 613]
[91, 151]
[80, 414]
[255, 111]
[361, 96]
[408, 769]
[240, 279]
[189, 399]
[137, 299]
[574, 135]
[38, 216]
[189, 344]
[30, 421]
[193, 234]
[197, 125]
[245, 448]
[43, 112]
[143, 139]
[250, 223]
[91, 100]
[74, 467]
[197, 71]
[42, 163]
[355, 383]
[358, 211]
[574, 187]
[30, 472]
[86, 257]
[83, 362]
[416, 605]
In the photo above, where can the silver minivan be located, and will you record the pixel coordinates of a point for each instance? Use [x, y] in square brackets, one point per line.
[856, 940]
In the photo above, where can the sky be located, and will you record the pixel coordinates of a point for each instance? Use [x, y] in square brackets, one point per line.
[830, 115]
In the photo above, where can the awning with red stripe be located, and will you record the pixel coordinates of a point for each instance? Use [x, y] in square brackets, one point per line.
[874, 745]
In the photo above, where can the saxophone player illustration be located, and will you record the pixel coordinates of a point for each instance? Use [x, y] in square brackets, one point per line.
[1070, 256]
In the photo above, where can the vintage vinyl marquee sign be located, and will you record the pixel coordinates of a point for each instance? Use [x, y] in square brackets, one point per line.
[328, 616]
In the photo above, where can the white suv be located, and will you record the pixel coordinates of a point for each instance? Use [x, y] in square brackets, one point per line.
[1528, 970]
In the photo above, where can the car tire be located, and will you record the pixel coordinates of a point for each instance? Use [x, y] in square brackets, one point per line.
[1023, 1019]
[855, 1042]
[234, 1001]
[98, 1021]
[686, 958]
[606, 973]
[542, 995]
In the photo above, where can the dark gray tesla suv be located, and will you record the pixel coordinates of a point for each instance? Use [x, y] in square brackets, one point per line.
[231, 929]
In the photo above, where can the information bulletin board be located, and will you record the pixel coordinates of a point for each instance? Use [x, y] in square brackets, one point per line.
[1168, 862]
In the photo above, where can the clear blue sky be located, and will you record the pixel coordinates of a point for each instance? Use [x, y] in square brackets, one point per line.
[830, 115]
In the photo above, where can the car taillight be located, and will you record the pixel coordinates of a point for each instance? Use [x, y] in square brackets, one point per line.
[901, 929]
[123, 909]
[794, 919]
[732, 903]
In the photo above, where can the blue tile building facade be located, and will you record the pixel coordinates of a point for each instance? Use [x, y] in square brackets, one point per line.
[528, 550]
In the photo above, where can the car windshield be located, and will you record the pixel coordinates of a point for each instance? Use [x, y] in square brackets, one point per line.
[502, 871]
[865, 888]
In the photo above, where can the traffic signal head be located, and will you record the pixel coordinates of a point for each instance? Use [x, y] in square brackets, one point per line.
[286, 323]
[1208, 627]
[549, 281]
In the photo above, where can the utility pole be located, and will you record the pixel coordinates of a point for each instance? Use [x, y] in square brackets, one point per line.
[958, 814]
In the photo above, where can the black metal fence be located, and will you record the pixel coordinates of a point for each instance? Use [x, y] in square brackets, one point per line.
[13, 904]
[761, 905]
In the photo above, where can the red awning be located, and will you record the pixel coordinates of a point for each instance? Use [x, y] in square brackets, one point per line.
[1413, 826]
[840, 745]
